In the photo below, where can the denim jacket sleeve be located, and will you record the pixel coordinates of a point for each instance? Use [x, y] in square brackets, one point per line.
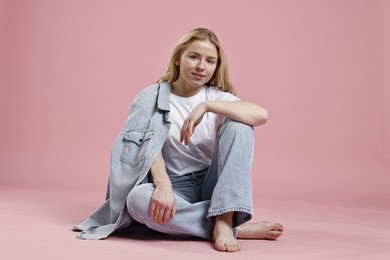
[132, 155]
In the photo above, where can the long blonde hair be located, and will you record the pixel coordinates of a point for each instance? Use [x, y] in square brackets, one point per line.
[220, 77]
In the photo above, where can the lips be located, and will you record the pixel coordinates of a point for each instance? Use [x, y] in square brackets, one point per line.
[197, 75]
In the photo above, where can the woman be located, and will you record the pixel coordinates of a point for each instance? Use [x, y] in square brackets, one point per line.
[182, 163]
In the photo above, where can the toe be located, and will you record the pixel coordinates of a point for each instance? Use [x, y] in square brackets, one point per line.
[279, 227]
[233, 247]
[220, 246]
[275, 234]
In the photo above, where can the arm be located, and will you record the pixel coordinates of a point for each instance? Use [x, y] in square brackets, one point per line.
[242, 111]
[163, 198]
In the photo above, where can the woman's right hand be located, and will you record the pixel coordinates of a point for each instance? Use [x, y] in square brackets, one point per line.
[163, 204]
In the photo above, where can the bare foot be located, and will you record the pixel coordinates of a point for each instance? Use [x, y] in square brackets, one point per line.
[223, 234]
[260, 230]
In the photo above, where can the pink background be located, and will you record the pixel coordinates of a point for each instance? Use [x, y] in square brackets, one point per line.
[69, 71]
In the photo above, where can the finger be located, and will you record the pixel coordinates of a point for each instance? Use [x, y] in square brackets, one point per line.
[184, 137]
[173, 212]
[187, 139]
[188, 136]
[152, 209]
[156, 214]
[190, 131]
[161, 216]
[182, 132]
[166, 216]
[191, 128]
[185, 133]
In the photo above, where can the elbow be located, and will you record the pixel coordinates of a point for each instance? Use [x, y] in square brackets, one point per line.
[262, 117]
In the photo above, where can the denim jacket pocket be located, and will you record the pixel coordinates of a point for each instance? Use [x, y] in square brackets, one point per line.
[134, 147]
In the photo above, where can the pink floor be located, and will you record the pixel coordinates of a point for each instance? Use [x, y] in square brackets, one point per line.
[36, 224]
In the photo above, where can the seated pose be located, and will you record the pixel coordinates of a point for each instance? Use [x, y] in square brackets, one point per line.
[182, 163]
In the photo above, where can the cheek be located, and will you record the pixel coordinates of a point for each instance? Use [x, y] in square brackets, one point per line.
[183, 69]
[185, 65]
[211, 70]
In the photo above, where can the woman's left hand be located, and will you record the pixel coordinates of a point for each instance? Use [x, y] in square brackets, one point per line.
[191, 122]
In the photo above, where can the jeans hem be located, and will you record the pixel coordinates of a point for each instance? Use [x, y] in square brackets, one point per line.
[217, 212]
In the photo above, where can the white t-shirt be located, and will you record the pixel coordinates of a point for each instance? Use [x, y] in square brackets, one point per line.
[182, 159]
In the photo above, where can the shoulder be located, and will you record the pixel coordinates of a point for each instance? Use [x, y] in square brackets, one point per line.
[149, 90]
[148, 93]
[145, 95]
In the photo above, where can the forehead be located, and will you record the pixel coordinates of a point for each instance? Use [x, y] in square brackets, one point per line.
[205, 48]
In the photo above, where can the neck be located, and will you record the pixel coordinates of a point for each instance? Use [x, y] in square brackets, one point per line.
[181, 91]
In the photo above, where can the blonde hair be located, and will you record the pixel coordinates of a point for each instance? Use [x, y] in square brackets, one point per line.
[220, 77]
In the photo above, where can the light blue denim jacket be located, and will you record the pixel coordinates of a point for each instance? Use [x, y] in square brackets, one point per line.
[132, 155]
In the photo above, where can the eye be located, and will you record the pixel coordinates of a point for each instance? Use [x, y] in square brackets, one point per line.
[193, 57]
[211, 61]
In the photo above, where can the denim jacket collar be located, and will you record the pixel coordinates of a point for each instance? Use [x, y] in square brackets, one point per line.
[163, 96]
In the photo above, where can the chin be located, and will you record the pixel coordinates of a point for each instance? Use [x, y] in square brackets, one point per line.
[197, 84]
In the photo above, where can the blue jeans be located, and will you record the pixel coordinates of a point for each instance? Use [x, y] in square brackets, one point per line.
[225, 186]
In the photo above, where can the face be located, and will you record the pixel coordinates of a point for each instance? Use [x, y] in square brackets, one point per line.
[196, 65]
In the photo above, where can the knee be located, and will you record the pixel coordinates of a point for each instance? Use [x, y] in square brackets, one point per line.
[236, 128]
[138, 200]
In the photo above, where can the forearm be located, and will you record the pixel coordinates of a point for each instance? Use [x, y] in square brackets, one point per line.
[242, 111]
[159, 173]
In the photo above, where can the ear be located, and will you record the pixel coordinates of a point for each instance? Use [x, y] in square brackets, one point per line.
[177, 63]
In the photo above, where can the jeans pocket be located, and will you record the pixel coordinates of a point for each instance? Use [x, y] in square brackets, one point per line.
[134, 147]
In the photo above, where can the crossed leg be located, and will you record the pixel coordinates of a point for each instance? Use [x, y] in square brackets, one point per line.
[222, 232]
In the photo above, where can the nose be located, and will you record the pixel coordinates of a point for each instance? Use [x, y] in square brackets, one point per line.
[200, 65]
